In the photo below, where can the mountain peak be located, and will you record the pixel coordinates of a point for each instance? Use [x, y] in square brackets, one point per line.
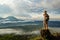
[11, 18]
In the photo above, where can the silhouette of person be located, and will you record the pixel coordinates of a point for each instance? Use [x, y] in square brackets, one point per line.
[46, 19]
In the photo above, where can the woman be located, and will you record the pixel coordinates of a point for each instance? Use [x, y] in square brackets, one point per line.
[46, 19]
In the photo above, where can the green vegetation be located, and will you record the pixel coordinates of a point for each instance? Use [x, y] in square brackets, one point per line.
[56, 36]
[16, 37]
[27, 37]
[13, 37]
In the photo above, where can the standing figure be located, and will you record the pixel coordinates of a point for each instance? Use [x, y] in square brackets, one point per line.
[46, 19]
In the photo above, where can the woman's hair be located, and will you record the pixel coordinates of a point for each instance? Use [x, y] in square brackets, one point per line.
[45, 12]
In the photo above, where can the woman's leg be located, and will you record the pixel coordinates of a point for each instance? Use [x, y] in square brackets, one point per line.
[46, 24]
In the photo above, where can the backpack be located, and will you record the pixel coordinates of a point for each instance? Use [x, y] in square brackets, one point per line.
[47, 17]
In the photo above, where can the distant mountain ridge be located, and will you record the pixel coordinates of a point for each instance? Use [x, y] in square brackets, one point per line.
[1, 18]
[10, 18]
[12, 21]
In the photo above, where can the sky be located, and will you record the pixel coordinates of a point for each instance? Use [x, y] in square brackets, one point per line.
[30, 9]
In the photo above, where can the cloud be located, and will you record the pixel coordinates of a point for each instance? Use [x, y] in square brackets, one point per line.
[48, 4]
[30, 9]
[10, 31]
[5, 9]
